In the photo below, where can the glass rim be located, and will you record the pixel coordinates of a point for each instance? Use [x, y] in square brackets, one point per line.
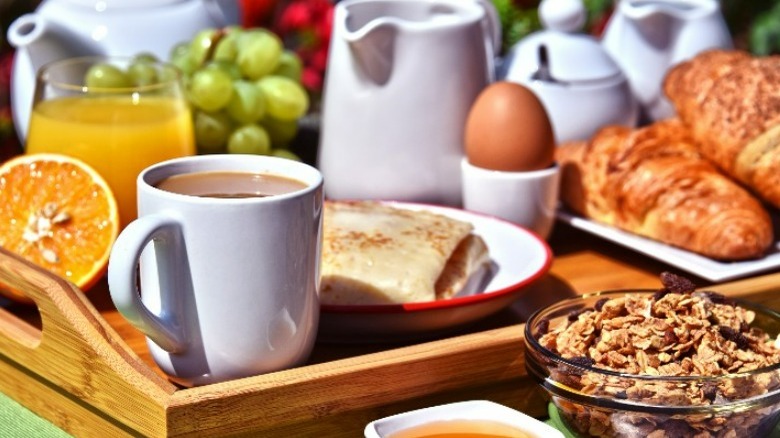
[534, 344]
[556, 389]
[537, 356]
[44, 72]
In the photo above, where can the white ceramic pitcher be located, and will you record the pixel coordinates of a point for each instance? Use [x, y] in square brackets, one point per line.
[647, 37]
[401, 78]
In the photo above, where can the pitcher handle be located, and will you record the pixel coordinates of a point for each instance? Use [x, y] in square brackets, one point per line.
[165, 234]
[492, 25]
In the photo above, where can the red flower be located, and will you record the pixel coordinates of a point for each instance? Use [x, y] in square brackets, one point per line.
[256, 12]
[296, 16]
[324, 25]
[312, 79]
[319, 59]
[304, 26]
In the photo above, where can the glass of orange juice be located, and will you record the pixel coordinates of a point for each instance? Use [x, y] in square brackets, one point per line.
[119, 115]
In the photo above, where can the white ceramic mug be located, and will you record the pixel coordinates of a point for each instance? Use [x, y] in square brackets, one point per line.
[528, 199]
[229, 288]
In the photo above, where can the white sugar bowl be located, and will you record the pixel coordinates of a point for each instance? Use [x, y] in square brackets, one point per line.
[580, 85]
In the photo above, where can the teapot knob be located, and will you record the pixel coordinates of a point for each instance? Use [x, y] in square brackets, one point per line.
[562, 15]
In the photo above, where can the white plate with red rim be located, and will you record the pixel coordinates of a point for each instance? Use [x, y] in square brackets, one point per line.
[519, 257]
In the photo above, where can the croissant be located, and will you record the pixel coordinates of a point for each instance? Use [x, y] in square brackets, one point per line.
[653, 181]
[730, 100]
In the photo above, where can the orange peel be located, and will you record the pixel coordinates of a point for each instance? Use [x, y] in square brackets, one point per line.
[58, 213]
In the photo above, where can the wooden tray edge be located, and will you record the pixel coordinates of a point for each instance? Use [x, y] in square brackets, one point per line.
[299, 395]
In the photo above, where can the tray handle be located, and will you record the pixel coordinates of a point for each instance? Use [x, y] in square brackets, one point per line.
[76, 349]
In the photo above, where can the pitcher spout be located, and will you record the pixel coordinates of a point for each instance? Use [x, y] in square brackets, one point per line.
[373, 48]
[651, 11]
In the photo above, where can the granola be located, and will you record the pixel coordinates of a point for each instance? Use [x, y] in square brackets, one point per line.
[678, 332]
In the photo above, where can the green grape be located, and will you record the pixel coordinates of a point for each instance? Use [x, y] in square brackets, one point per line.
[258, 53]
[249, 139]
[226, 66]
[285, 153]
[180, 57]
[232, 28]
[210, 89]
[142, 73]
[247, 105]
[145, 57]
[167, 73]
[290, 66]
[227, 47]
[202, 44]
[107, 76]
[211, 131]
[280, 131]
[179, 50]
[285, 99]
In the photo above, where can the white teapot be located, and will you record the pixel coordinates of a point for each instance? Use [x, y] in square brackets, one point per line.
[60, 29]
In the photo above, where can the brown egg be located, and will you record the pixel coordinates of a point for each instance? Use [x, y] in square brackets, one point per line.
[508, 129]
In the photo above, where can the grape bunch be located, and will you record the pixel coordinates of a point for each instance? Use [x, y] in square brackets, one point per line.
[245, 90]
[243, 86]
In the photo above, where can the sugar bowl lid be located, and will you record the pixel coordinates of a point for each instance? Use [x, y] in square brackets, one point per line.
[560, 52]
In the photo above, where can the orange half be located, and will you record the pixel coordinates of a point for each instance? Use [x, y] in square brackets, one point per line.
[58, 213]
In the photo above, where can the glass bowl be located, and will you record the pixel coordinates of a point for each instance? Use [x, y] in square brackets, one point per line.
[598, 402]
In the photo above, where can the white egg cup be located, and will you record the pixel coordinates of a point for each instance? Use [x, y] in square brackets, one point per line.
[527, 198]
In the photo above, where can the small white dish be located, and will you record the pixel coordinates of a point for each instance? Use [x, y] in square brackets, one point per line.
[476, 410]
[519, 257]
[704, 267]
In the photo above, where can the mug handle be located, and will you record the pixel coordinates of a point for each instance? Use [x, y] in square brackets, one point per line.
[165, 233]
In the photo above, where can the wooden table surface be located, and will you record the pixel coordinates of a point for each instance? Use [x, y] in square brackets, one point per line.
[582, 263]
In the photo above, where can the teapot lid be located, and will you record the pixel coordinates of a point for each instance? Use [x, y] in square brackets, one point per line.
[560, 52]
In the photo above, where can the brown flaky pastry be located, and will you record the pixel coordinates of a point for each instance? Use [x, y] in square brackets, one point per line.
[730, 100]
[653, 182]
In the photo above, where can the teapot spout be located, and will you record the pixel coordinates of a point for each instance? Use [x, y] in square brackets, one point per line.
[43, 42]
[373, 48]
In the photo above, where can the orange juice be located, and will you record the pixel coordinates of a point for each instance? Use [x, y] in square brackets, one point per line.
[116, 135]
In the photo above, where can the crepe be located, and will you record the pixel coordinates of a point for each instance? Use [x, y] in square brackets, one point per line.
[374, 253]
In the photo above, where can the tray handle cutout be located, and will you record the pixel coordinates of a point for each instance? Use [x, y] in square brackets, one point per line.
[75, 348]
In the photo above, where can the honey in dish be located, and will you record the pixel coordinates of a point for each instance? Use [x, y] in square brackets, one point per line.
[230, 184]
[461, 429]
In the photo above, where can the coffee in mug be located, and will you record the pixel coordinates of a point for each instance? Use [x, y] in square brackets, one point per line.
[227, 288]
[230, 184]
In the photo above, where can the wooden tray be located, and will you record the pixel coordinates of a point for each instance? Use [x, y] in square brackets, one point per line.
[68, 364]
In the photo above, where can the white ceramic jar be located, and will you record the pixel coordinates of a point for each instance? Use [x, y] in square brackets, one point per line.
[582, 88]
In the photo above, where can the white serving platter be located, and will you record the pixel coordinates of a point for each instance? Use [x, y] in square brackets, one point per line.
[704, 267]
